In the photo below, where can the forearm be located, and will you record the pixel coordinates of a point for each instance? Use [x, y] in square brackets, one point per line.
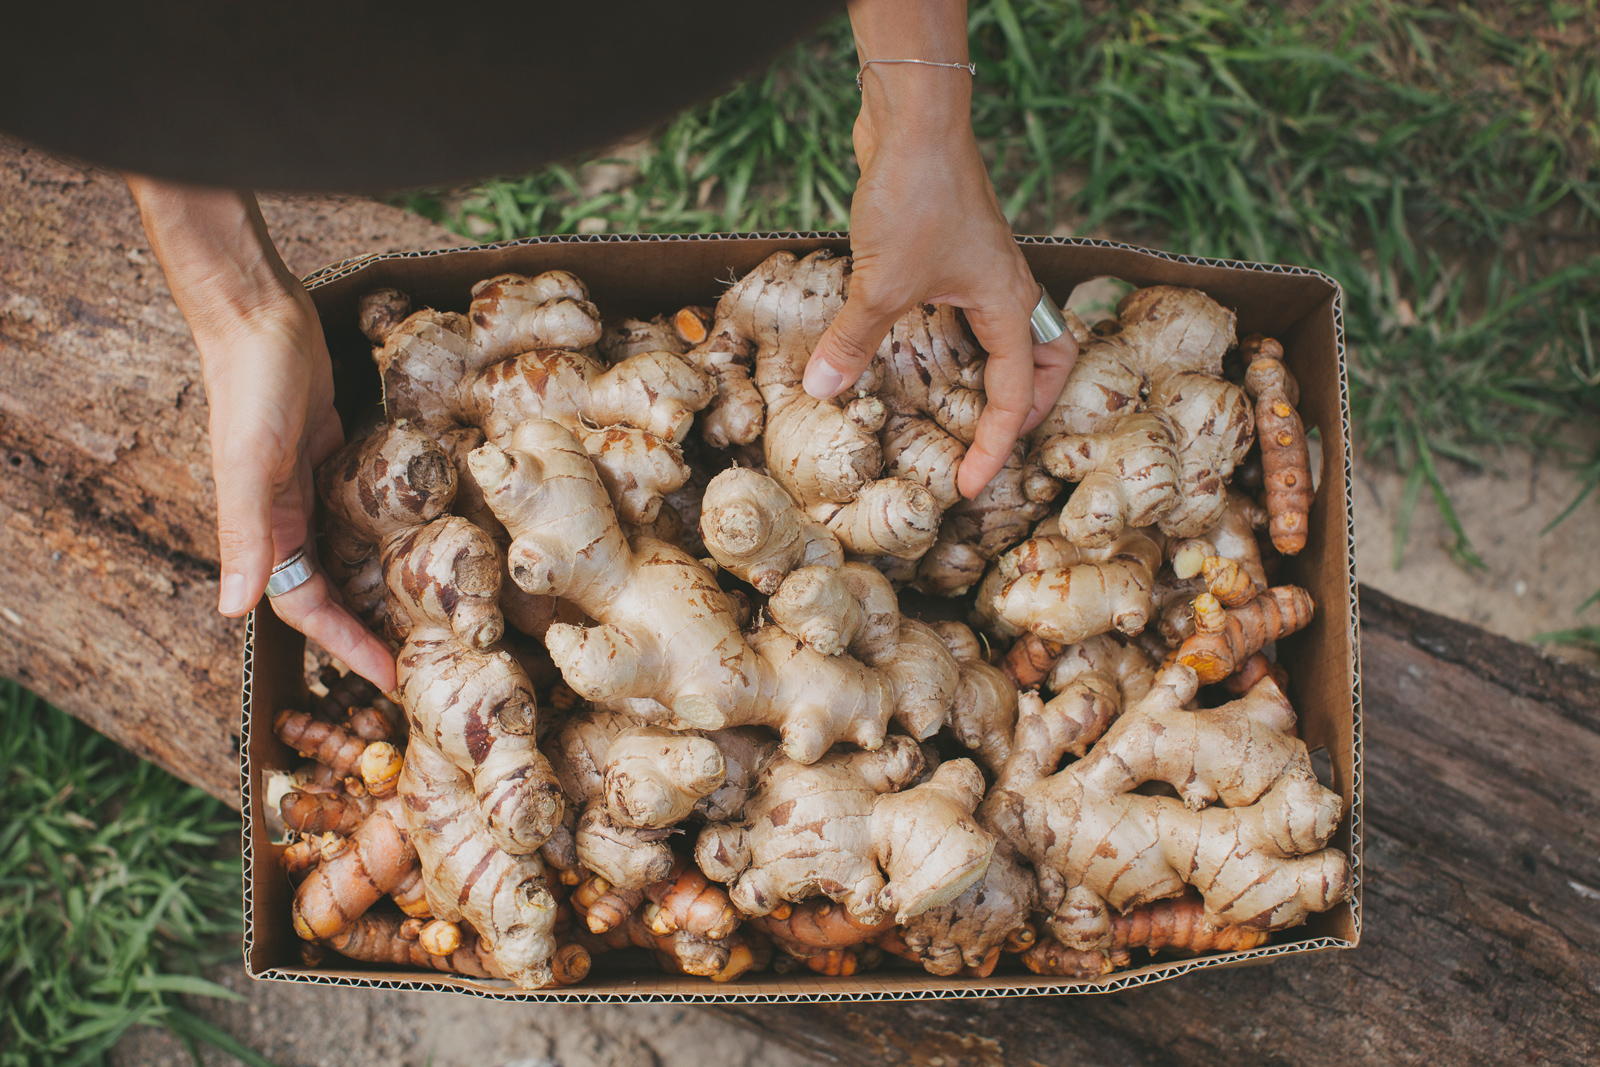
[219, 260]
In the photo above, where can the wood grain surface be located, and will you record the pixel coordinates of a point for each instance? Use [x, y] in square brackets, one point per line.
[108, 548]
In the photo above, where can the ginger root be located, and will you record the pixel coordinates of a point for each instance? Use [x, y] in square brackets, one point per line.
[836, 826]
[470, 703]
[632, 782]
[373, 489]
[1048, 587]
[1165, 459]
[666, 631]
[517, 355]
[1097, 845]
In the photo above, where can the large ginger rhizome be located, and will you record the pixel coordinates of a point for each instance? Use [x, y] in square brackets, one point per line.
[1250, 831]
[669, 645]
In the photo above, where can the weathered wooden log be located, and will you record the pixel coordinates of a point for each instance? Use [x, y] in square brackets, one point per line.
[108, 547]
[1482, 902]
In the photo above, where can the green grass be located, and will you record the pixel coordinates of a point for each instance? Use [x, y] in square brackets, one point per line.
[118, 885]
[1439, 160]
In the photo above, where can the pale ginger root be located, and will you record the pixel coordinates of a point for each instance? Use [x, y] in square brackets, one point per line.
[515, 356]
[467, 701]
[1285, 458]
[630, 782]
[666, 631]
[967, 935]
[372, 490]
[983, 712]
[1126, 478]
[355, 872]
[972, 533]
[1232, 538]
[877, 470]
[1110, 589]
[1224, 640]
[1261, 861]
[755, 532]
[470, 878]
[1165, 458]
[854, 608]
[835, 827]
[1092, 681]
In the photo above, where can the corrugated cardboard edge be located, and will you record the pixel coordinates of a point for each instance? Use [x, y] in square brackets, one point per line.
[861, 989]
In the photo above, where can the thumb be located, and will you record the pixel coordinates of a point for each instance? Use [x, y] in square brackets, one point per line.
[244, 527]
[847, 347]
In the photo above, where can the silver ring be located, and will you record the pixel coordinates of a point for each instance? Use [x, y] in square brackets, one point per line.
[292, 573]
[1046, 321]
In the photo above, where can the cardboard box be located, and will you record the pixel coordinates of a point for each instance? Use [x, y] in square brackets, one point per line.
[644, 275]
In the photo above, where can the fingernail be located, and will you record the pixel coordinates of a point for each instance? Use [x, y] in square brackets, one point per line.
[233, 594]
[822, 381]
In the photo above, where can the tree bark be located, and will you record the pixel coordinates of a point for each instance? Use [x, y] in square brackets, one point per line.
[108, 547]
[1482, 902]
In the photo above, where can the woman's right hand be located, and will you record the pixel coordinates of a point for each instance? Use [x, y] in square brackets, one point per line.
[270, 386]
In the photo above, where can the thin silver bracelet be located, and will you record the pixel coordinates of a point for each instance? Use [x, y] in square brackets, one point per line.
[970, 68]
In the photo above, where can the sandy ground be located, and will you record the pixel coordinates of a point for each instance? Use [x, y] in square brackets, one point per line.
[316, 1026]
[1531, 584]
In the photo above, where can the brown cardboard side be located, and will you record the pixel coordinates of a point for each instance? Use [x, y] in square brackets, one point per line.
[644, 276]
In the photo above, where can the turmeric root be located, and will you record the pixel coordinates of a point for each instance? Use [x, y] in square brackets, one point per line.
[1285, 459]
[355, 872]
[835, 826]
[820, 933]
[1259, 862]
[335, 747]
[1255, 668]
[651, 598]
[324, 813]
[385, 937]
[1178, 924]
[1275, 613]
